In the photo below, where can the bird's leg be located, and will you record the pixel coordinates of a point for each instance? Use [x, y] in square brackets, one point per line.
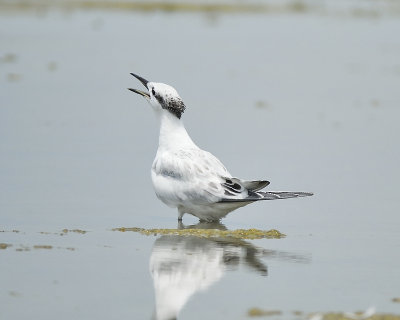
[180, 214]
[181, 226]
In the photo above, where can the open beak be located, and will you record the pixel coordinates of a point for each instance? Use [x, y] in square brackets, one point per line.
[144, 82]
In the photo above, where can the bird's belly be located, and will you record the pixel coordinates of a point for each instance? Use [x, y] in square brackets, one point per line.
[213, 211]
[164, 190]
[177, 192]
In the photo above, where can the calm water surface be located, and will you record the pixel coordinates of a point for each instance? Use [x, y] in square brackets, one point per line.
[308, 101]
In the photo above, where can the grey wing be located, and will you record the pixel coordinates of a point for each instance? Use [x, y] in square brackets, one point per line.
[237, 190]
[255, 185]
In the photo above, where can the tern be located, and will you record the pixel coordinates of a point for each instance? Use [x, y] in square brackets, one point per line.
[191, 179]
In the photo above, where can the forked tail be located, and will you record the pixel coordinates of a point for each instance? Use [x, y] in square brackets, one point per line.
[273, 195]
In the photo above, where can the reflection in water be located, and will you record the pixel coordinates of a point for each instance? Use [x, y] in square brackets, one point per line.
[182, 265]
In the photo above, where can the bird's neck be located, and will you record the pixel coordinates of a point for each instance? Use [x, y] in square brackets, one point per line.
[173, 134]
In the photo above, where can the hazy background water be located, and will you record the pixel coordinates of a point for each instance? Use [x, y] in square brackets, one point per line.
[308, 99]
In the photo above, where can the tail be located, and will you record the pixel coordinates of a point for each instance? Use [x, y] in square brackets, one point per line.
[273, 195]
[254, 185]
[237, 190]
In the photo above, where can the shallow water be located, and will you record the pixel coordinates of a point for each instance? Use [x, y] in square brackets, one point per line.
[309, 101]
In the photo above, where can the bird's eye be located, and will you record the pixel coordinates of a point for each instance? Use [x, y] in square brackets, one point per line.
[153, 92]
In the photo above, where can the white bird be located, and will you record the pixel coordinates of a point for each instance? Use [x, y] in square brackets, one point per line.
[182, 266]
[188, 178]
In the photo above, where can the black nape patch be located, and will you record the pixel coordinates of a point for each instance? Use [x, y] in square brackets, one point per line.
[172, 104]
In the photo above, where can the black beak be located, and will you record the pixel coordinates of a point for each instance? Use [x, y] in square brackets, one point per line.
[144, 82]
[142, 93]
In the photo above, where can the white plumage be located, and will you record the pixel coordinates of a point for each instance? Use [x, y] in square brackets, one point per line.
[188, 178]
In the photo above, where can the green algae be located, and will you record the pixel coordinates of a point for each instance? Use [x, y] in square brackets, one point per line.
[64, 232]
[151, 6]
[342, 316]
[74, 230]
[43, 247]
[9, 58]
[249, 234]
[256, 312]
[14, 294]
[5, 245]
[23, 248]
[226, 7]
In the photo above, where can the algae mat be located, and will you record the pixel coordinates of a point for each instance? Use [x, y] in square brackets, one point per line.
[249, 234]
[367, 315]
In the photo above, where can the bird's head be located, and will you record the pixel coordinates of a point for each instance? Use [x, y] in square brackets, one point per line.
[161, 96]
